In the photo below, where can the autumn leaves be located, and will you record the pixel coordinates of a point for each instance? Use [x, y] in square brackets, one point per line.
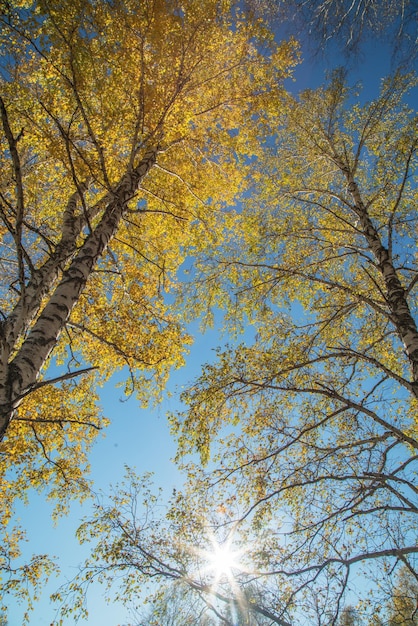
[142, 123]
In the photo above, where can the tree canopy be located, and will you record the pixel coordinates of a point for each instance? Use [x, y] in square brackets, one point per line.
[323, 404]
[309, 433]
[139, 134]
[122, 136]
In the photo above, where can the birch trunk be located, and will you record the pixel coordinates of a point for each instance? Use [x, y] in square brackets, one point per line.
[395, 293]
[19, 373]
[43, 278]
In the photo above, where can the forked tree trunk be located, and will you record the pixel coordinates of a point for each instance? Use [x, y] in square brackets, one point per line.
[19, 375]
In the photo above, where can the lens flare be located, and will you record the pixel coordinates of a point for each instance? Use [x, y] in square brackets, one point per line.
[223, 560]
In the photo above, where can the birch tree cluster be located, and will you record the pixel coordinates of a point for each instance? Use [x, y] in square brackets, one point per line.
[141, 135]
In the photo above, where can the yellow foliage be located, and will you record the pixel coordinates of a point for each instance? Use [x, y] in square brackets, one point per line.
[127, 127]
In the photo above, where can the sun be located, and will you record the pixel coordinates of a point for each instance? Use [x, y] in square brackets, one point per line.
[223, 560]
[223, 565]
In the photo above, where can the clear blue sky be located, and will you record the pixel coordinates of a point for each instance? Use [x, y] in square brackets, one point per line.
[141, 438]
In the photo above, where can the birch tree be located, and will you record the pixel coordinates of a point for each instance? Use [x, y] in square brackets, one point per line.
[124, 130]
[313, 425]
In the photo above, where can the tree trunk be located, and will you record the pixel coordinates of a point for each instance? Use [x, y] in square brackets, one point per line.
[395, 293]
[19, 376]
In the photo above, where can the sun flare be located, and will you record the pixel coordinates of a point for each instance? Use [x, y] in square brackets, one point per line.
[223, 560]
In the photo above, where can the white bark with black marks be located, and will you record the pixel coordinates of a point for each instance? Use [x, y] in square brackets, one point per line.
[20, 372]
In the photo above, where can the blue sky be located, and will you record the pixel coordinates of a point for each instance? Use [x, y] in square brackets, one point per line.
[137, 438]
[140, 438]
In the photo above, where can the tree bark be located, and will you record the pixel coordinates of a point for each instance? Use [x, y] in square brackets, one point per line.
[395, 293]
[19, 375]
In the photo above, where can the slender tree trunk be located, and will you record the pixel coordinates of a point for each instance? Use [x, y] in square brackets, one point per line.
[395, 293]
[43, 278]
[19, 376]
